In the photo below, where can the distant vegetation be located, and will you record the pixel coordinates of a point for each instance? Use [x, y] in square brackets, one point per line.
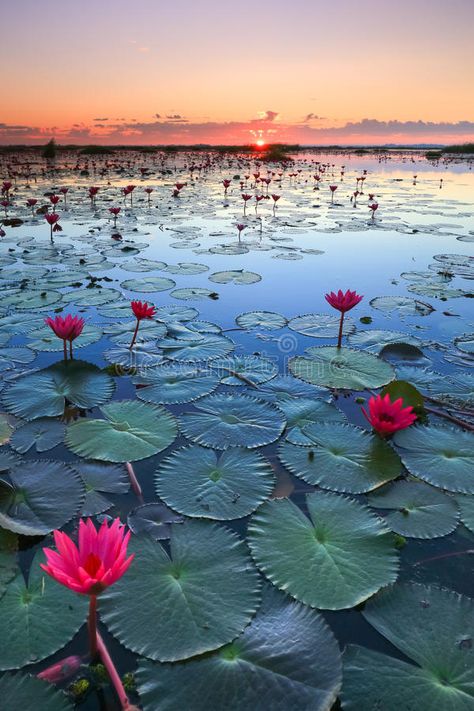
[463, 148]
[95, 151]
[50, 149]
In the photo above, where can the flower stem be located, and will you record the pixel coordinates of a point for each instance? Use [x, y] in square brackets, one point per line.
[65, 349]
[134, 482]
[113, 674]
[70, 350]
[135, 334]
[341, 324]
[92, 627]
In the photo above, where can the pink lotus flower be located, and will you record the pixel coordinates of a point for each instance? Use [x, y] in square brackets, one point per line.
[67, 328]
[59, 672]
[226, 183]
[373, 207]
[141, 310]
[115, 211]
[387, 417]
[54, 199]
[343, 302]
[246, 197]
[180, 186]
[333, 189]
[6, 186]
[98, 561]
[149, 192]
[4, 204]
[52, 219]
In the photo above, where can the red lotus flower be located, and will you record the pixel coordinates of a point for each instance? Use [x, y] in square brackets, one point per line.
[142, 310]
[149, 190]
[54, 199]
[115, 210]
[275, 198]
[6, 186]
[64, 191]
[226, 183]
[246, 197]
[180, 186]
[31, 202]
[387, 417]
[93, 192]
[51, 218]
[373, 206]
[343, 302]
[97, 562]
[67, 328]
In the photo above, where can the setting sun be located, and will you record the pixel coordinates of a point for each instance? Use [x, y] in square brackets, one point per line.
[260, 142]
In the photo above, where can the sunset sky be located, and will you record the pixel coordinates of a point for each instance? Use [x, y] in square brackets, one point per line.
[209, 71]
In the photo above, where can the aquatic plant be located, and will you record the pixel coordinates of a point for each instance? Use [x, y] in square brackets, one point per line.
[343, 302]
[387, 417]
[142, 310]
[66, 328]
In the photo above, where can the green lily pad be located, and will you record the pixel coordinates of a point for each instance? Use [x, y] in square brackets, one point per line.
[433, 628]
[403, 305]
[341, 458]
[143, 355]
[300, 412]
[266, 320]
[466, 507]
[195, 294]
[38, 496]
[31, 299]
[91, 297]
[23, 691]
[257, 671]
[197, 348]
[344, 552]
[173, 312]
[37, 619]
[376, 339]
[175, 383]
[100, 479]
[237, 276]
[321, 325]
[239, 370]
[46, 392]
[200, 483]
[344, 368]
[285, 387]
[43, 434]
[122, 332]
[442, 456]
[416, 510]
[45, 340]
[223, 421]
[8, 558]
[194, 600]
[186, 268]
[148, 284]
[130, 431]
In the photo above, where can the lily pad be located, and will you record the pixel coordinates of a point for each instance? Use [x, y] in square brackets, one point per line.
[321, 325]
[91, 297]
[38, 496]
[45, 340]
[37, 619]
[341, 458]
[376, 339]
[223, 421]
[403, 305]
[191, 350]
[344, 368]
[193, 600]
[416, 510]
[237, 276]
[43, 434]
[175, 383]
[23, 691]
[130, 431]
[153, 520]
[245, 369]
[192, 294]
[300, 412]
[148, 284]
[433, 628]
[200, 483]
[257, 671]
[46, 392]
[442, 456]
[100, 479]
[344, 553]
[266, 320]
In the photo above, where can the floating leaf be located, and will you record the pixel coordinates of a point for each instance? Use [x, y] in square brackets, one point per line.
[45, 340]
[237, 276]
[92, 297]
[199, 482]
[343, 368]
[46, 392]
[205, 347]
[403, 305]
[433, 628]
[175, 383]
[376, 339]
[43, 434]
[31, 299]
[239, 370]
[260, 664]
[142, 356]
[152, 520]
[101, 479]
[39, 496]
[130, 431]
[194, 600]
[266, 320]
[21, 691]
[442, 456]
[417, 510]
[344, 553]
[189, 294]
[223, 421]
[466, 506]
[148, 284]
[36, 619]
[321, 325]
[300, 412]
[341, 458]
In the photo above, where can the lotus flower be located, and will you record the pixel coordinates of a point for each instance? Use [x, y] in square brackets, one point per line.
[226, 184]
[373, 206]
[67, 329]
[246, 197]
[97, 562]
[115, 211]
[54, 199]
[141, 310]
[387, 417]
[149, 192]
[333, 189]
[52, 219]
[343, 302]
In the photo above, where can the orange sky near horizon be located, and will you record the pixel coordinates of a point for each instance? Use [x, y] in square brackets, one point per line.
[306, 72]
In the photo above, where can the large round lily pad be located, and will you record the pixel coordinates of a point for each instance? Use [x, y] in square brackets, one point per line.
[39, 496]
[130, 431]
[37, 619]
[99, 480]
[321, 325]
[344, 368]
[333, 560]
[303, 411]
[196, 348]
[341, 457]
[22, 691]
[257, 671]
[223, 421]
[46, 392]
[416, 510]
[194, 600]
[245, 369]
[266, 320]
[43, 434]
[434, 629]
[175, 383]
[442, 456]
[201, 483]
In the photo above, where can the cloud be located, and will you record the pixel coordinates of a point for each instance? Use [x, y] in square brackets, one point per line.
[312, 117]
[100, 119]
[175, 128]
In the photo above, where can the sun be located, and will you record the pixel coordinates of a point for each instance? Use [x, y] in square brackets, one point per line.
[260, 142]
